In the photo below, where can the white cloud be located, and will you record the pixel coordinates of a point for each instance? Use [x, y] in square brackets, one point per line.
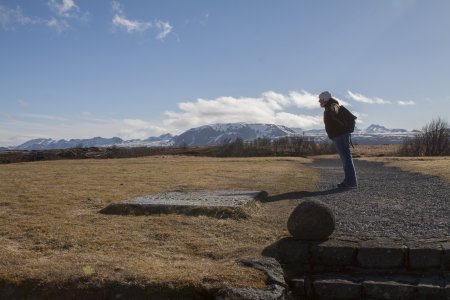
[364, 99]
[275, 100]
[10, 17]
[64, 8]
[269, 108]
[304, 99]
[164, 28]
[360, 117]
[405, 103]
[16, 129]
[65, 11]
[298, 121]
[139, 129]
[117, 8]
[131, 26]
[120, 21]
[58, 24]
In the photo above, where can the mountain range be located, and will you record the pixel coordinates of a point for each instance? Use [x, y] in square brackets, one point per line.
[216, 134]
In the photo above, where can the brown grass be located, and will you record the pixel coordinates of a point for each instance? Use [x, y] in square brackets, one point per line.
[51, 231]
[375, 150]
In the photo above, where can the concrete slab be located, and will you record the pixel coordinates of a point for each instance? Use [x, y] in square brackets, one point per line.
[214, 203]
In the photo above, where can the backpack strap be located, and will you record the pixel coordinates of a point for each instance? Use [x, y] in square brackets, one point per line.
[351, 142]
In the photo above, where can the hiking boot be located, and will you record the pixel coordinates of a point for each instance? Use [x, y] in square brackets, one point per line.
[341, 185]
[347, 186]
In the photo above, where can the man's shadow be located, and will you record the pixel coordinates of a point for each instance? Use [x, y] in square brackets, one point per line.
[301, 195]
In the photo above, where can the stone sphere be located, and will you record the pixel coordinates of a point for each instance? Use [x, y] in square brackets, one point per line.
[311, 220]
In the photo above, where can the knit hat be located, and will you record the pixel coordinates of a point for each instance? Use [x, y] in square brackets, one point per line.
[325, 96]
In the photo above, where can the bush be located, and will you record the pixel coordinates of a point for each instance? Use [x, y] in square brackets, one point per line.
[285, 146]
[434, 140]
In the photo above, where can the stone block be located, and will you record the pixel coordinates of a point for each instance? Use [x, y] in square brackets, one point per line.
[446, 255]
[333, 253]
[301, 287]
[386, 290]
[298, 287]
[381, 254]
[429, 290]
[425, 256]
[293, 251]
[214, 203]
[447, 288]
[335, 288]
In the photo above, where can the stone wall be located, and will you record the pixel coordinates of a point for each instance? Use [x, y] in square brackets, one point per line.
[365, 269]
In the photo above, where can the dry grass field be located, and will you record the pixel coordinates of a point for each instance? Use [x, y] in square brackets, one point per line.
[375, 150]
[51, 231]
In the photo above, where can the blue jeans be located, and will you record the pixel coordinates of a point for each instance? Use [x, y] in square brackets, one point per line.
[342, 143]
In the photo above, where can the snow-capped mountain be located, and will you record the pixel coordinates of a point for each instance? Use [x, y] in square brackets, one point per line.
[382, 130]
[217, 134]
[41, 144]
[45, 144]
[377, 134]
[372, 135]
[154, 141]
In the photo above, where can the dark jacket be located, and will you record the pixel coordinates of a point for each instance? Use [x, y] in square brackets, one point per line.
[333, 126]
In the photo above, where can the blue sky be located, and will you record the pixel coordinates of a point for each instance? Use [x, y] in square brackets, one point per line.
[134, 69]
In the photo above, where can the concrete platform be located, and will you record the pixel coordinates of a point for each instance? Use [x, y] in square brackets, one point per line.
[214, 203]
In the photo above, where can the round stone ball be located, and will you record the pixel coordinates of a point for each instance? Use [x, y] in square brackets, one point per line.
[311, 220]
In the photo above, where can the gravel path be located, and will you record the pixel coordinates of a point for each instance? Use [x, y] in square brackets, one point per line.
[388, 203]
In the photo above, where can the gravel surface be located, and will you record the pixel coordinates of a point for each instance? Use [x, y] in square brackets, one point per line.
[388, 203]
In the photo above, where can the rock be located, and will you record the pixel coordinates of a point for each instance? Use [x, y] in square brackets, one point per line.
[275, 289]
[272, 292]
[268, 265]
[311, 220]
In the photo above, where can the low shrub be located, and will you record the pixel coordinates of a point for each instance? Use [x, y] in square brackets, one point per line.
[433, 140]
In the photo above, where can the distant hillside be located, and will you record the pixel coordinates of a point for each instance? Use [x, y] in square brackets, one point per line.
[217, 134]
[41, 144]
[48, 144]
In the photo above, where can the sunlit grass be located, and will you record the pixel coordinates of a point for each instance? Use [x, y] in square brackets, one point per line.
[50, 228]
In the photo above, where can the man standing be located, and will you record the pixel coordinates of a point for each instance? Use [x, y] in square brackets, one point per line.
[340, 136]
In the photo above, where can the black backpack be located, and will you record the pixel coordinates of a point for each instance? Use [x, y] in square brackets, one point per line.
[347, 119]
